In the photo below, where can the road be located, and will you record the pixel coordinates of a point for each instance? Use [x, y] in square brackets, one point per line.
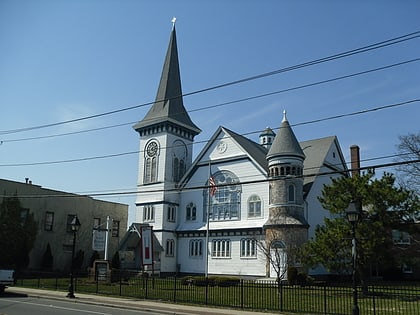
[20, 304]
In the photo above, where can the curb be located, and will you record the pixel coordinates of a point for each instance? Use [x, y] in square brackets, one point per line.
[161, 307]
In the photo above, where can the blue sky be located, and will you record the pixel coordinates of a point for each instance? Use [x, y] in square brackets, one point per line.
[62, 60]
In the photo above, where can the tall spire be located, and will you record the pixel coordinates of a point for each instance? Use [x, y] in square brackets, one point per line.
[169, 105]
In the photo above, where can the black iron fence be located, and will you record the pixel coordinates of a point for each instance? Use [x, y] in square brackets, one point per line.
[377, 298]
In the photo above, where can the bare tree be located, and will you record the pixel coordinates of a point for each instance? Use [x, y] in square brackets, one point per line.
[409, 150]
[280, 250]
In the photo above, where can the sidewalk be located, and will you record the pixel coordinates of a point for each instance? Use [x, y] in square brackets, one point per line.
[129, 303]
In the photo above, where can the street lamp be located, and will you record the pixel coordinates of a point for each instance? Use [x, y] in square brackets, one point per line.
[75, 225]
[353, 216]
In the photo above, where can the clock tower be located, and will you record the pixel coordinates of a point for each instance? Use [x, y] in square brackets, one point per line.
[166, 138]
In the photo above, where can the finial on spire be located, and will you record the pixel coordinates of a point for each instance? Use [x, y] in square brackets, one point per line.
[173, 22]
[284, 116]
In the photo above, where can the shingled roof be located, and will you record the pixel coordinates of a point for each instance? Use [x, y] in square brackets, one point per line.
[285, 142]
[169, 105]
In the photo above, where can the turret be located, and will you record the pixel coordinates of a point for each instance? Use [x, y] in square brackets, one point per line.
[267, 137]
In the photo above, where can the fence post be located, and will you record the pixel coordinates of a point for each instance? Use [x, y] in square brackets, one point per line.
[325, 298]
[373, 299]
[280, 285]
[242, 293]
[175, 288]
[147, 279]
[207, 290]
[97, 280]
[119, 273]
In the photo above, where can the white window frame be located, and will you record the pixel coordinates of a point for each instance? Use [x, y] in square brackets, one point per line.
[221, 248]
[248, 248]
[191, 212]
[225, 204]
[170, 247]
[171, 215]
[196, 248]
[148, 213]
[254, 201]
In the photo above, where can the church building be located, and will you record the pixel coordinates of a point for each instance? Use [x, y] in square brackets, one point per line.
[240, 207]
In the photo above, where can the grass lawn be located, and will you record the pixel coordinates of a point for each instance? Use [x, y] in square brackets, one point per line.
[381, 300]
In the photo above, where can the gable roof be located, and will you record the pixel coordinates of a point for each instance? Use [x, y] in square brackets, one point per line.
[316, 151]
[169, 105]
[131, 238]
[255, 152]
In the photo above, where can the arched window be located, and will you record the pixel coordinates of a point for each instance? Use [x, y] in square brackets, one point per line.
[148, 213]
[179, 156]
[225, 204]
[151, 154]
[170, 247]
[254, 207]
[196, 248]
[191, 212]
[248, 247]
[291, 193]
[221, 248]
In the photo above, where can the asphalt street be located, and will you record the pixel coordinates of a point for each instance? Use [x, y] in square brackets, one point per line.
[20, 305]
[25, 301]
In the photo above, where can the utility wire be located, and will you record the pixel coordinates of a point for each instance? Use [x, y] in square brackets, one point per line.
[365, 111]
[364, 49]
[224, 103]
[201, 187]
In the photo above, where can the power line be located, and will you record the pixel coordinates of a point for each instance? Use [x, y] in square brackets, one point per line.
[348, 53]
[205, 141]
[226, 103]
[201, 187]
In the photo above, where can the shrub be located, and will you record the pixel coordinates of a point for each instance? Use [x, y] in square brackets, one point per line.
[187, 280]
[292, 275]
[227, 281]
[95, 256]
[301, 278]
[47, 258]
[115, 262]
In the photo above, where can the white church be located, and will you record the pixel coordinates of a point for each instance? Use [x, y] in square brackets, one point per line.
[262, 198]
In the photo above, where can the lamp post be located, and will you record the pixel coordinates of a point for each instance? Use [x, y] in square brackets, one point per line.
[353, 216]
[75, 225]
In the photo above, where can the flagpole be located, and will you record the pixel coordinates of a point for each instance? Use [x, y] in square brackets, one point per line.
[207, 224]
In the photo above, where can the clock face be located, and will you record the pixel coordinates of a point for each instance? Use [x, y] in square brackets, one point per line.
[152, 149]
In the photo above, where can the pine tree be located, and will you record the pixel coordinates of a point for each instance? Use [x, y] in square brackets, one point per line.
[385, 208]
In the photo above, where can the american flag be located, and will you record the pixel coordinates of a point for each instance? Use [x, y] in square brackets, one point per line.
[213, 187]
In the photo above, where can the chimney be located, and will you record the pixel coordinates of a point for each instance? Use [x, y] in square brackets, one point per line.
[26, 180]
[355, 160]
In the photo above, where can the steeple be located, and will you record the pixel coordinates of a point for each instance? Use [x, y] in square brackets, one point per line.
[169, 105]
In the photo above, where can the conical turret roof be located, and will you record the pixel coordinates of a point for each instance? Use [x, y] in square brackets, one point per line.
[169, 105]
[285, 142]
